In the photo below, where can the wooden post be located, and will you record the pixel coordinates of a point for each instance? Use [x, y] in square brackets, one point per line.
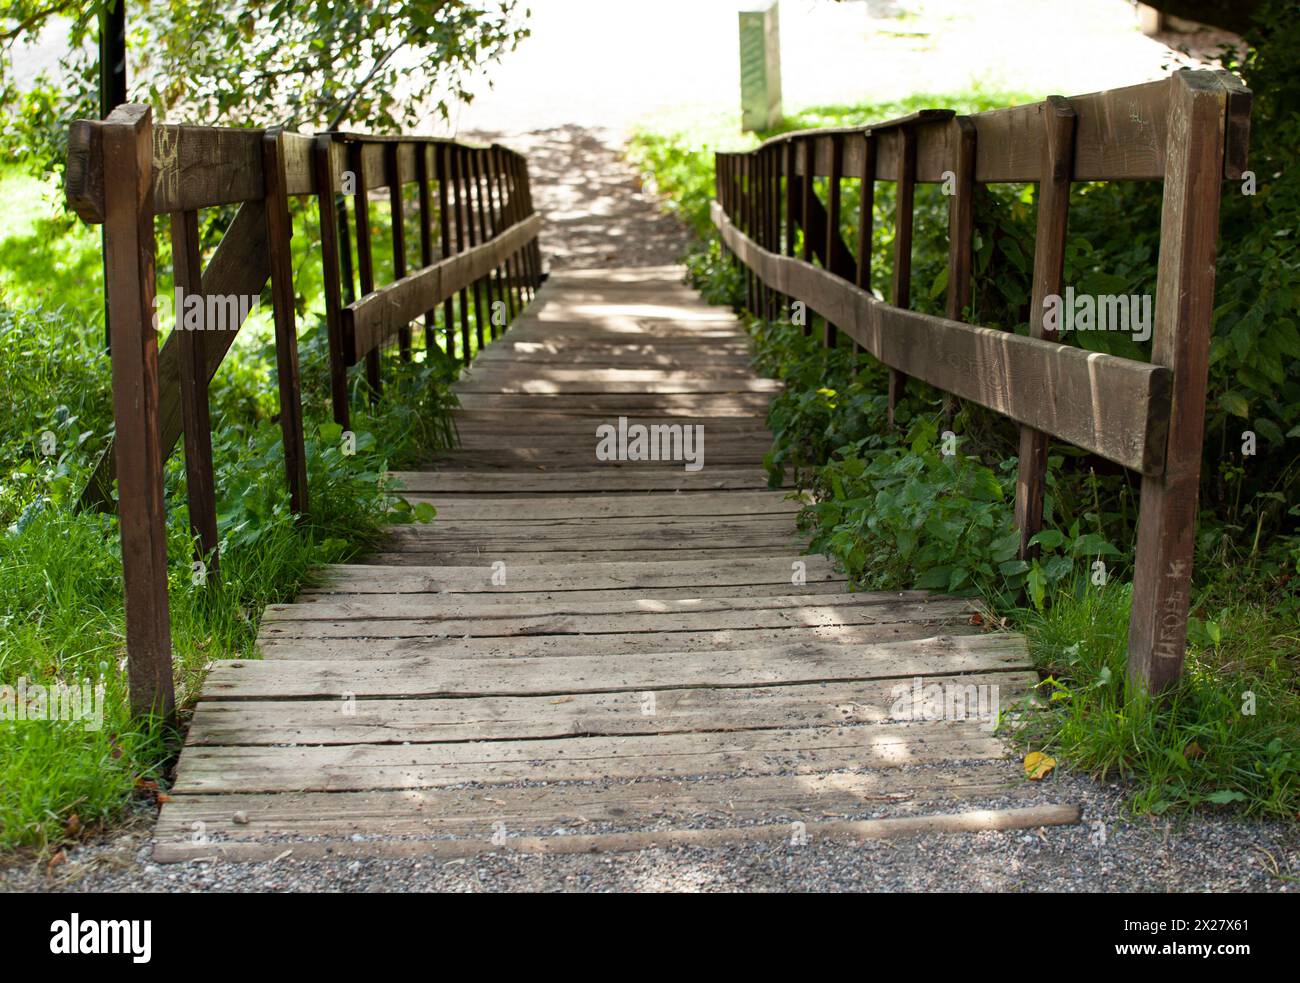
[422, 178]
[460, 211]
[902, 279]
[1049, 266]
[806, 211]
[329, 250]
[279, 230]
[866, 209]
[365, 261]
[128, 224]
[483, 206]
[833, 240]
[1189, 229]
[961, 235]
[200, 489]
[397, 213]
[444, 239]
[473, 216]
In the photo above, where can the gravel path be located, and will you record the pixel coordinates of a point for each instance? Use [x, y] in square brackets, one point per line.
[1135, 855]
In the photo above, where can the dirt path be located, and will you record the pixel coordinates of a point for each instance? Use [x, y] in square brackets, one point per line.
[595, 211]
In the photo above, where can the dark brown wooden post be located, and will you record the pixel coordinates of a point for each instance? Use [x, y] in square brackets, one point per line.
[129, 257]
[459, 211]
[473, 218]
[866, 215]
[1049, 267]
[506, 206]
[422, 177]
[322, 165]
[809, 200]
[833, 239]
[1189, 229]
[200, 489]
[483, 206]
[902, 279]
[534, 246]
[279, 230]
[496, 222]
[961, 234]
[365, 261]
[444, 240]
[397, 212]
[792, 198]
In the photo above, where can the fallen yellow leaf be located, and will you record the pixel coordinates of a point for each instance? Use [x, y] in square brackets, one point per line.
[1038, 765]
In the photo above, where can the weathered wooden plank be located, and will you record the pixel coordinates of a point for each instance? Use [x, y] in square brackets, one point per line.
[320, 722]
[361, 767]
[490, 608]
[358, 578]
[620, 644]
[623, 480]
[1115, 407]
[805, 662]
[414, 812]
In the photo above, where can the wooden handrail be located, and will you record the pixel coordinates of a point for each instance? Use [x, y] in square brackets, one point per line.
[123, 171]
[1190, 130]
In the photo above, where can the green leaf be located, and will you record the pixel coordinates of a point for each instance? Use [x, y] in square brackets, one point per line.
[423, 512]
[1235, 403]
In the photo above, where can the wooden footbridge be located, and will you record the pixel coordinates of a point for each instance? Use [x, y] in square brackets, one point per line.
[596, 646]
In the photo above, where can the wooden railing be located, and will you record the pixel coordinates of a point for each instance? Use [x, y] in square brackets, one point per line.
[481, 263]
[1191, 131]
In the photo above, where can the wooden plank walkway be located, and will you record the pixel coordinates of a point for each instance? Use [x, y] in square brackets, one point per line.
[623, 651]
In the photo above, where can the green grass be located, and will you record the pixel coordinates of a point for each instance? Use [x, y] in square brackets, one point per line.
[1227, 734]
[61, 616]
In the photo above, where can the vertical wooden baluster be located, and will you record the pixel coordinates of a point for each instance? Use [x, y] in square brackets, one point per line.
[497, 222]
[961, 234]
[808, 198]
[129, 283]
[769, 229]
[792, 197]
[534, 245]
[505, 208]
[519, 169]
[902, 278]
[444, 240]
[776, 155]
[866, 218]
[1189, 228]
[483, 205]
[473, 216]
[279, 230]
[365, 262]
[833, 240]
[746, 225]
[322, 168]
[459, 212]
[1049, 267]
[200, 489]
[397, 212]
[423, 174]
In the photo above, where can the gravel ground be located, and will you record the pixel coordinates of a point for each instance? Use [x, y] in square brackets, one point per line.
[1196, 853]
